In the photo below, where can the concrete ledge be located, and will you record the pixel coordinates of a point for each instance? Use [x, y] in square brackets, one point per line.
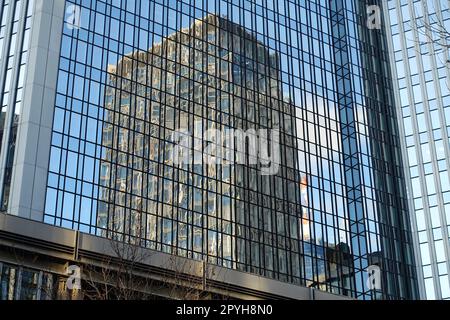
[36, 230]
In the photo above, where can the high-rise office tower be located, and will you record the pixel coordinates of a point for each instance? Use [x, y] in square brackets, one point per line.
[419, 48]
[258, 138]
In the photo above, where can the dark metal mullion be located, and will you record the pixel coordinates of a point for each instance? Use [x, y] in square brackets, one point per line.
[61, 148]
[296, 169]
[18, 283]
[97, 135]
[147, 104]
[148, 114]
[163, 129]
[39, 285]
[144, 176]
[259, 196]
[219, 172]
[268, 98]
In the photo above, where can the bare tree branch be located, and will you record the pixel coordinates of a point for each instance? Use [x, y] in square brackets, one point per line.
[431, 30]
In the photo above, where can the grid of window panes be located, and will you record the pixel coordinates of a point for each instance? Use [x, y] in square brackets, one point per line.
[19, 283]
[424, 85]
[134, 72]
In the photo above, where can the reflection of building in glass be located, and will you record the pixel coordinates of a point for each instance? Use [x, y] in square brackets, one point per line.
[376, 260]
[304, 203]
[307, 68]
[331, 266]
[13, 67]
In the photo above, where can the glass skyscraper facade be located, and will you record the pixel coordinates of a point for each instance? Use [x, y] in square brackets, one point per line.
[420, 53]
[15, 37]
[133, 74]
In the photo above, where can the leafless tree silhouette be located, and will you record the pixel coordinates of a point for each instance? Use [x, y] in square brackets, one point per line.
[118, 276]
[433, 29]
[123, 276]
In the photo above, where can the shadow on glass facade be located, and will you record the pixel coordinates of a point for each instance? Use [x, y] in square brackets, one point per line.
[135, 72]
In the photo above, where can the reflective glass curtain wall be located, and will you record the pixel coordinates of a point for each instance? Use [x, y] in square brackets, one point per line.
[133, 72]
